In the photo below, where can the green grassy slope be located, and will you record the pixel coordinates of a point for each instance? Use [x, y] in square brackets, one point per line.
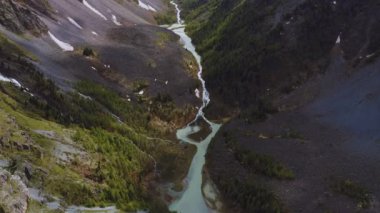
[75, 148]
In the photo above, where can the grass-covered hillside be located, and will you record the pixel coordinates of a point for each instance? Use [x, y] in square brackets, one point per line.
[90, 146]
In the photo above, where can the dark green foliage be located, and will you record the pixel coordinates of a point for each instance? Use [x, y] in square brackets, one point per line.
[140, 85]
[258, 163]
[88, 52]
[353, 190]
[188, 8]
[72, 192]
[258, 112]
[263, 164]
[167, 17]
[121, 168]
[164, 107]
[235, 52]
[122, 153]
[132, 114]
[244, 53]
[122, 148]
[249, 193]
[126, 150]
[51, 103]
[250, 196]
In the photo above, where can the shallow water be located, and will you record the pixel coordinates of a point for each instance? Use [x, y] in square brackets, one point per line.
[192, 199]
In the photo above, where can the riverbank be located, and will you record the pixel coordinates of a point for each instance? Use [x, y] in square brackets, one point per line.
[191, 199]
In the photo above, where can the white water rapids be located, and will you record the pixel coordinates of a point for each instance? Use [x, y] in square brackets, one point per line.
[192, 199]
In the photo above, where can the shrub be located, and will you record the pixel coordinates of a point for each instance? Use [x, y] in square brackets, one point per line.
[88, 52]
[353, 190]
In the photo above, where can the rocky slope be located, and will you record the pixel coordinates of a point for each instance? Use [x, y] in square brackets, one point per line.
[299, 79]
[19, 18]
[90, 95]
[14, 194]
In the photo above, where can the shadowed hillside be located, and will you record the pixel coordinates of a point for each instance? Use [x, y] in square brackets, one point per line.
[298, 79]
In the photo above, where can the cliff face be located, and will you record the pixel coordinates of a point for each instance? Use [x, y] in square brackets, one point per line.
[17, 17]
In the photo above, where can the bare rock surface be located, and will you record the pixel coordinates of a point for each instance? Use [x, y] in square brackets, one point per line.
[19, 18]
[13, 193]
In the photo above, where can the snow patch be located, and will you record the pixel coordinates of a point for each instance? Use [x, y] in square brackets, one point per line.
[197, 93]
[84, 96]
[370, 55]
[17, 84]
[94, 33]
[72, 21]
[338, 40]
[89, 6]
[115, 21]
[11, 80]
[64, 46]
[146, 6]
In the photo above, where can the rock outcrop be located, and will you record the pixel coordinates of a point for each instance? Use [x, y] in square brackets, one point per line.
[19, 18]
[13, 193]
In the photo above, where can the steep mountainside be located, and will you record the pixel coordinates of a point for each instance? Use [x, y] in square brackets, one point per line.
[299, 79]
[256, 48]
[91, 93]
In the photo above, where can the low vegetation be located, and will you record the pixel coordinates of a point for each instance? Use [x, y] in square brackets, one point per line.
[163, 39]
[258, 112]
[120, 152]
[167, 17]
[88, 52]
[292, 134]
[248, 192]
[246, 57]
[352, 190]
[257, 163]
[250, 196]
[9, 47]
